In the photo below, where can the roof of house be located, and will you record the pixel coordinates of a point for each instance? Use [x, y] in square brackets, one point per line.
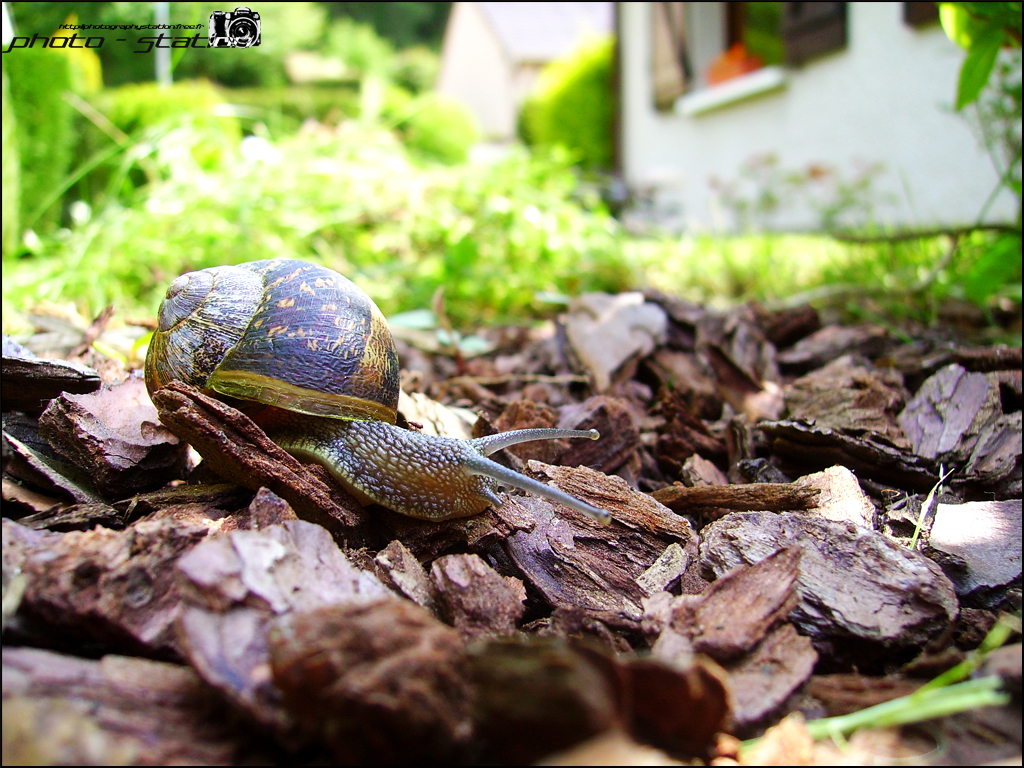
[544, 31]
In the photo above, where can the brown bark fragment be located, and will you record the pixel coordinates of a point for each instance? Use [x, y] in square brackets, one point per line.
[578, 563]
[406, 574]
[115, 437]
[861, 596]
[978, 545]
[612, 417]
[849, 395]
[539, 697]
[114, 586]
[763, 680]
[128, 710]
[380, 682]
[30, 383]
[475, 598]
[831, 342]
[734, 614]
[238, 449]
[771, 497]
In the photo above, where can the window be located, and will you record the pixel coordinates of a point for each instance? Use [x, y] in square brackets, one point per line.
[697, 45]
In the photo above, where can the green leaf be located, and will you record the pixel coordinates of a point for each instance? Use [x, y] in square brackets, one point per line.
[998, 266]
[959, 25]
[981, 58]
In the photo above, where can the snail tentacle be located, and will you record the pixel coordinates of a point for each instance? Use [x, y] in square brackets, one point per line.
[491, 443]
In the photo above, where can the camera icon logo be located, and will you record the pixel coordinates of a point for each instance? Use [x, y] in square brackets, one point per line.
[239, 28]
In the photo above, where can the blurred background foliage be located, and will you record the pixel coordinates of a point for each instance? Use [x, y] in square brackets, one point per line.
[114, 185]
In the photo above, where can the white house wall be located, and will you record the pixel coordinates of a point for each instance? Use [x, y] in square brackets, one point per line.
[476, 71]
[886, 97]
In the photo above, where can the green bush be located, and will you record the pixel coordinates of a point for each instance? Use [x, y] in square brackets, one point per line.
[283, 110]
[492, 236]
[38, 79]
[439, 128]
[11, 175]
[572, 105]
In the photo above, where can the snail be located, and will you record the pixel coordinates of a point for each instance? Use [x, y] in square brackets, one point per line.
[308, 342]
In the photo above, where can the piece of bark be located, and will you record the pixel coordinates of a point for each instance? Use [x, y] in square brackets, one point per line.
[84, 517]
[117, 709]
[117, 587]
[809, 446]
[32, 461]
[400, 569]
[785, 327]
[762, 681]
[611, 416]
[267, 509]
[679, 707]
[840, 497]
[683, 435]
[849, 395]
[956, 418]
[382, 682]
[670, 565]
[698, 472]
[862, 597]
[475, 598]
[239, 450]
[224, 496]
[753, 396]
[842, 694]
[605, 331]
[115, 437]
[30, 383]
[576, 562]
[730, 617]
[76, 517]
[233, 586]
[978, 545]
[831, 342]
[753, 497]
[295, 565]
[685, 373]
[538, 697]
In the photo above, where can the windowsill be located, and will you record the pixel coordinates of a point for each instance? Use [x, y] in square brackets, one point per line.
[764, 80]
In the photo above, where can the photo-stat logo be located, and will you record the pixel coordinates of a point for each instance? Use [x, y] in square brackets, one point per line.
[239, 28]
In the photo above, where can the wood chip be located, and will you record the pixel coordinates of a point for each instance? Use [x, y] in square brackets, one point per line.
[576, 562]
[475, 598]
[730, 617]
[848, 395]
[30, 383]
[605, 331]
[862, 597]
[239, 450]
[113, 586]
[753, 497]
[378, 682]
[122, 710]
[978, 545]
[115, 437]
[831, 342]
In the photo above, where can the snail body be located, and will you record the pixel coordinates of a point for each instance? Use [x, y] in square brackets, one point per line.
[310, 344]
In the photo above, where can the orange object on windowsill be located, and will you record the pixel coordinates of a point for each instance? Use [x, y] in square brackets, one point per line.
[732, 63]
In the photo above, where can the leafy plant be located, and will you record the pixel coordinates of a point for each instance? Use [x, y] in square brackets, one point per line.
[352, 198]
[982, 29]
[439, 128]
[38, 79]
[572, 105]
